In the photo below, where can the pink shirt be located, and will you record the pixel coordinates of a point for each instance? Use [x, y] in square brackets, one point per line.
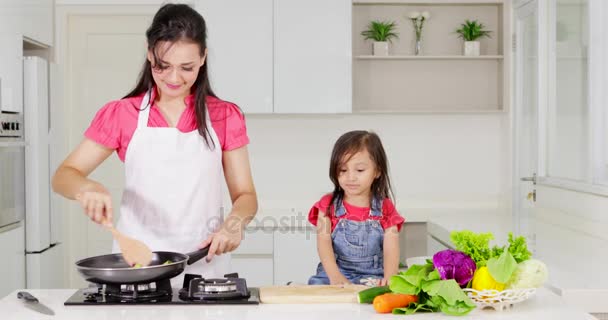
[115, 123]
[390, 217]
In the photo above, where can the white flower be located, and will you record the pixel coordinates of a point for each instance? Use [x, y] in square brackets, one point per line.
[413, 15]
[426, 15]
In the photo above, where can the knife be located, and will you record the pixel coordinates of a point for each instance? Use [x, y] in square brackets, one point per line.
[32, 303]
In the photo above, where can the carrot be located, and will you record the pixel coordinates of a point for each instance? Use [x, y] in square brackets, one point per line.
[385, 303]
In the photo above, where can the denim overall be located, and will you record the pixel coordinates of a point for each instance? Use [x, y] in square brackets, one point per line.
[357, 246]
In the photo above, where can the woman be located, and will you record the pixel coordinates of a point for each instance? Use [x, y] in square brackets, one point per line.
[176, 139]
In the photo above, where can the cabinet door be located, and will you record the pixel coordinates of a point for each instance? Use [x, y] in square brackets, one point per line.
[257, 271]
[240, 51]
[38, 20]
[12, 251]
[295, 255]
[11, 73]
[312, 55]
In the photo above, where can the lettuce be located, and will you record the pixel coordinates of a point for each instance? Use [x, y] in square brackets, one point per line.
[475, 245]
[434, 294]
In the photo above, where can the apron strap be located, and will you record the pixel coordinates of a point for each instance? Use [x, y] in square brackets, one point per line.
[144, 111]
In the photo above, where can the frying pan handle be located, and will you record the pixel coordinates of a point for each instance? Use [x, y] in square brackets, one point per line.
[197, 255]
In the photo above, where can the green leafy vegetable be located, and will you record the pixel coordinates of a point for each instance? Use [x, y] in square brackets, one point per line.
[475, 245]
[519, 248]
[433, 293]
[502, 268]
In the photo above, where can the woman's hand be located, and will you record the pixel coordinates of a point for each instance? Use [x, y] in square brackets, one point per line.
[97, 205]
[338, 279]
[225, 240]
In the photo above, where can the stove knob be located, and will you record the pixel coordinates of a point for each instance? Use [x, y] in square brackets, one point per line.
[12, 126]
[17, 126]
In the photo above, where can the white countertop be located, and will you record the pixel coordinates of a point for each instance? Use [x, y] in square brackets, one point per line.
[545, 305]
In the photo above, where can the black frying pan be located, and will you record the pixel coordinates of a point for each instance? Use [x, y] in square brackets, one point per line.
[113, 269]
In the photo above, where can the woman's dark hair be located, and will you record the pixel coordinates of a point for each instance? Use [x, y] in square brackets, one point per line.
[349, 144]
[173, 23]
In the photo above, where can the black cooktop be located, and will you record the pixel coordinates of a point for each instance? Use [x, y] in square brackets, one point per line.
[196, 290]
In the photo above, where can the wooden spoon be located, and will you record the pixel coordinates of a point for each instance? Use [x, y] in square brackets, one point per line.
[135, 252]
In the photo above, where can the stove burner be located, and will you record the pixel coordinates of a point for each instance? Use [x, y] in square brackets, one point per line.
[231, 287]
[217, 285]
[229, 290]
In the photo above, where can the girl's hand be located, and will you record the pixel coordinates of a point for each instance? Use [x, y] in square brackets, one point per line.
[225, 240]
[383, 282]
[97, 205]
[339, 279]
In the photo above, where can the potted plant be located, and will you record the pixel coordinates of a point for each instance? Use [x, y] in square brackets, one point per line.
[381, 32]
[470, 31]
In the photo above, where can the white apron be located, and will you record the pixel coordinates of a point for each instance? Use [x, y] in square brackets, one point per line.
[172, 199]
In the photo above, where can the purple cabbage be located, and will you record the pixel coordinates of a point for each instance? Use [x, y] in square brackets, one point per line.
[453, 264]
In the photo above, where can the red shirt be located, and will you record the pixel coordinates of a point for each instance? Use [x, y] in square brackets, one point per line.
[390, 217]
[115, 123]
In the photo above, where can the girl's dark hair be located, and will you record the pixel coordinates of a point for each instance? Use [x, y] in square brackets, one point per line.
[349, 144]
[173, 23]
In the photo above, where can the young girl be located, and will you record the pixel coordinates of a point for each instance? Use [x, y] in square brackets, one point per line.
[357, 225]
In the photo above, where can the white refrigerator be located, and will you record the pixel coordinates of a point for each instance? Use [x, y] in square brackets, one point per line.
[44, 253]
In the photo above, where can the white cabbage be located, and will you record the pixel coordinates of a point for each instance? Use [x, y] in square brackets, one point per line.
[529, 274]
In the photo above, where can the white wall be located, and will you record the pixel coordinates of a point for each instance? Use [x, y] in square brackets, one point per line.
[438, 162]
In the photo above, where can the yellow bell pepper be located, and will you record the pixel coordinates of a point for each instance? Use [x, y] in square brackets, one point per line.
[482, 280]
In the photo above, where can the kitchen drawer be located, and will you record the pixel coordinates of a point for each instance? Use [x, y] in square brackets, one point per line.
[256, 241]
[257, 271]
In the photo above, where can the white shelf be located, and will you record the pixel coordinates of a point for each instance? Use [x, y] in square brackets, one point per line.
[422, 57]
[428, 2]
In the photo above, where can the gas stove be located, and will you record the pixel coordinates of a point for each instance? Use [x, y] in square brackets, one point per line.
[196, 290]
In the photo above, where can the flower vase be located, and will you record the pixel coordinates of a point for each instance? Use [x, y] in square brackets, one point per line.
[418, 48]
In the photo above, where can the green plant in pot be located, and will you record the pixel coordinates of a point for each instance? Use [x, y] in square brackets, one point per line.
[381, 32]
[470, 31]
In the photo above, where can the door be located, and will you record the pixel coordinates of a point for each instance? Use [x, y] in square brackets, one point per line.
[105, 52]
[526, 119]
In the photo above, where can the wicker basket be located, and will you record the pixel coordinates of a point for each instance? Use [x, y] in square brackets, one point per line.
[499, 300]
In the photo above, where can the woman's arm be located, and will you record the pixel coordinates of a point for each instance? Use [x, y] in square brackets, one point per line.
[391, 253]
[244, 203]
[325, 249]
[70, 180]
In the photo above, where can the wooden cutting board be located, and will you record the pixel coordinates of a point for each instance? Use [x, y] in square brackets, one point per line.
[311, 294]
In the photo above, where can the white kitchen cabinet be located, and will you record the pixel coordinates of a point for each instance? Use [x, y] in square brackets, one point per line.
[281, 56]
[240, 51]
[12, 251]
[433, 245]
[253, 259]
[312, 56]
[30, 18]
[258, 272]
[256, 241]
[295, 255]
[38, 20]
[11, 72]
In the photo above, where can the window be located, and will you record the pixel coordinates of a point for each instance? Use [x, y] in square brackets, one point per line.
[577, 111]
[568, 111]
